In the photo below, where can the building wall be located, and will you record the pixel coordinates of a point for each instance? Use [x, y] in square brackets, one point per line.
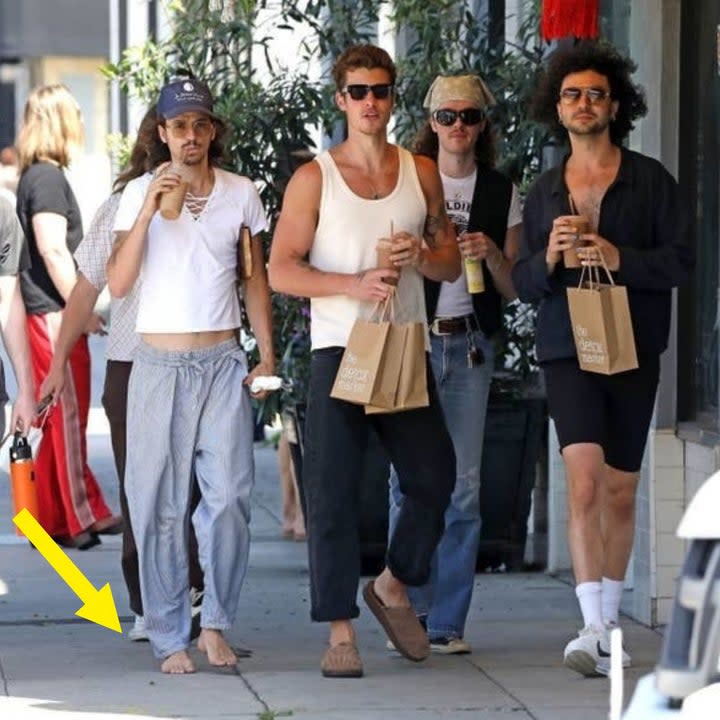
[31, 28]
[64, 41]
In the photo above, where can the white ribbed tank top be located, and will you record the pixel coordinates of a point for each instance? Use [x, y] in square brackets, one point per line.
[348, 229]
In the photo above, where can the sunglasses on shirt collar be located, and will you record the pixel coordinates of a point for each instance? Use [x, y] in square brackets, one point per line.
[381, 91]
[469, 116]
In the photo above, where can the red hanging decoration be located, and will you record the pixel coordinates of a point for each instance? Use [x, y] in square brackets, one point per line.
[562, 18]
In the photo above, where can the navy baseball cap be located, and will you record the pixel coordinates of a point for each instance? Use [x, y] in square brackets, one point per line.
[186, 95]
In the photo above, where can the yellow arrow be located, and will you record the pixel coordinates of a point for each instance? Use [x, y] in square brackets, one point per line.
[99, 605]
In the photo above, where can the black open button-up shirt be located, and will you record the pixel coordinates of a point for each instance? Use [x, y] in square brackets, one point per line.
[641, 215]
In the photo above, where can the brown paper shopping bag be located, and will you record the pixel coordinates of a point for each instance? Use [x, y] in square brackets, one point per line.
[412, 389]
[361, 362]
[602, 327]
[386, 384]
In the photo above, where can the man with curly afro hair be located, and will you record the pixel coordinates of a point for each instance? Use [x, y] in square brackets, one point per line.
[603, 205]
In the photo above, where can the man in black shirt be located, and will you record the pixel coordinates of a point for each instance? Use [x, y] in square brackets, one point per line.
[629, 203]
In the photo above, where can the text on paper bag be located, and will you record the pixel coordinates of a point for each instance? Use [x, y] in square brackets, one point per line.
[590, 351]
[352, 378]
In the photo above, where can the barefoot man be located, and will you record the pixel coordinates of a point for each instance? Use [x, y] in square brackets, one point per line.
[188, 404]
[335, 210]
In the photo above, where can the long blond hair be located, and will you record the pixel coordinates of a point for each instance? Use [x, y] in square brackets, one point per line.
[52, 127]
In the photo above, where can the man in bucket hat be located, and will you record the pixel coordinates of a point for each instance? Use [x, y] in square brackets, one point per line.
[188, 400]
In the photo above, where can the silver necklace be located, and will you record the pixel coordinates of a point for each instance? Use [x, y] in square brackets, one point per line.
[375, 194]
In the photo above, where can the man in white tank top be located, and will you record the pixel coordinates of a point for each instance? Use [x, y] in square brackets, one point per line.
[188, 402]
[334, 212]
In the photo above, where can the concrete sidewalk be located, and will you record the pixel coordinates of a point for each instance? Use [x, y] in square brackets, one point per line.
[54, 666]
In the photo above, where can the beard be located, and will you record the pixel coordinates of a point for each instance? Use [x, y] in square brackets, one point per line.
[194, 158]
[596, 127]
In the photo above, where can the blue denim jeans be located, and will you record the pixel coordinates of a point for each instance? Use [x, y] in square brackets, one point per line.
[463, 391]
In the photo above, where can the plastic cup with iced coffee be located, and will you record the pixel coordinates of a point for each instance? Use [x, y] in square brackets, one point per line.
[579, 224]
[171, 202]
[384, 248]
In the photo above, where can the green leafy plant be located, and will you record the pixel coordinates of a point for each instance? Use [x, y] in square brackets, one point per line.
[516, 369]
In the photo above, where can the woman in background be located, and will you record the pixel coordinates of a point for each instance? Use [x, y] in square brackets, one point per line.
[72, 508]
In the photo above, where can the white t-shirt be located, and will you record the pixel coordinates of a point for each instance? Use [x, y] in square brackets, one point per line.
[189, 271]
[455, 300]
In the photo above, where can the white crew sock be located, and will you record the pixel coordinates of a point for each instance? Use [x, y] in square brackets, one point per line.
[612, 591]
[589, 595]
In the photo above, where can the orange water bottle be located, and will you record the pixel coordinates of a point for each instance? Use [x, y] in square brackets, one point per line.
[22, 477]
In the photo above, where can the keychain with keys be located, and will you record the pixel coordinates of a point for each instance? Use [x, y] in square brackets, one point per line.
[475, 356]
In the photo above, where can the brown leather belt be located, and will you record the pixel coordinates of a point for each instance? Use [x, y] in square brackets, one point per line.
[449, 326]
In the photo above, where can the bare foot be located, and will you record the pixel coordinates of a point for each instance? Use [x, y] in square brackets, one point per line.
[179, 663]
[219, 653]
[390, 590]
[341, 631]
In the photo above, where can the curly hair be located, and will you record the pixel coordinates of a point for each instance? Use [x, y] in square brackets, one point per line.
[368, 57]
[426, 143]
[604, 59]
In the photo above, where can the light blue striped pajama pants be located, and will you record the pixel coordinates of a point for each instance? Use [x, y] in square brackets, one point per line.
[189, 409]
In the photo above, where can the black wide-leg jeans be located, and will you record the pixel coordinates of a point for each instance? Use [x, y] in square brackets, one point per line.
[336, 437]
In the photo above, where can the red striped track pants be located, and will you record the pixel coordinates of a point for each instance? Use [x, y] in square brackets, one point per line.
[69, 497]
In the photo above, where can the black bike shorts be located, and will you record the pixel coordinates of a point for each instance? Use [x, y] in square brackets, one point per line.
[613, 411]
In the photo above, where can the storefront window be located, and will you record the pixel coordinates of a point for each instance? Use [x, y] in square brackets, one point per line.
[615, 23]
[700, 184]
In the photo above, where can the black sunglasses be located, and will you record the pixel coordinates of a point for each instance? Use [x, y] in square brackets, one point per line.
[359, 92]
[469, 116]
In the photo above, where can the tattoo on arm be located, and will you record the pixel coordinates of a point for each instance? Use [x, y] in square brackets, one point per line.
[433, 224]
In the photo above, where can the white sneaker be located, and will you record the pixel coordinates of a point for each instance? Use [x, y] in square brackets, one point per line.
[603, 664]
[196, 598]
[137, 632]
[584, 652]
[450, 646]
[443, 646]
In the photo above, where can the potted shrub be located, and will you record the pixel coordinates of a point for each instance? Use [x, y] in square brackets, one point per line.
[514, 438]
